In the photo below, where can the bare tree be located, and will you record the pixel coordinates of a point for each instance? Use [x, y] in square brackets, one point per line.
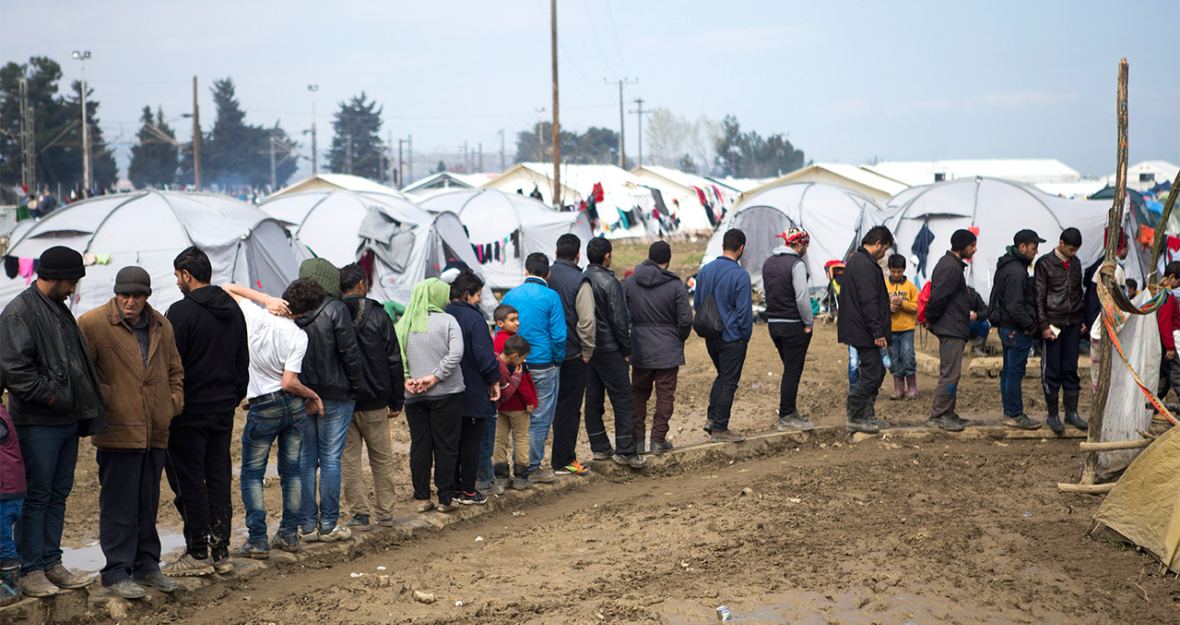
[702, 145]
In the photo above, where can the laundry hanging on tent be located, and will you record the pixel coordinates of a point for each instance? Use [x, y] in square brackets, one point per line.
[102, 259]
[11, 266]
[921, 247]
[625, 223]
[26, 269]
[516, 244]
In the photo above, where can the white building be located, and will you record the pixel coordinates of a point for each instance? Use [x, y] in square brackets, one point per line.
[1145, 175]
[1028, 171]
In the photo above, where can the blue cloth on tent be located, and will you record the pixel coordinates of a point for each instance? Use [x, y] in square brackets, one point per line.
[623, 218]
[921, 247]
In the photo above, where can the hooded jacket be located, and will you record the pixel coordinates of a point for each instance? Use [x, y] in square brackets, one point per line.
[381, 356]
[1011, 305]
[948, 312]
[864, 302]
[1058, 290]
[215, 351]
[610, 311]
[332, 366]
[661, 317]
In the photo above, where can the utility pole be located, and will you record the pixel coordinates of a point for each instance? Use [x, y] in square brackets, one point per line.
[83, 56]
[540, 137]
[273, 178]
[556, 117]
[28, 172]
[466, 158]
[389, 155]
[314, 155]
[640, 112]
[348, 154]
[400, 167]
[410, 149]
[196, 138]
[501, 150]
[480, 169]
[622, 124]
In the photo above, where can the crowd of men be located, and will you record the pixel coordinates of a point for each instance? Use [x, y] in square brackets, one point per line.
[324, 368]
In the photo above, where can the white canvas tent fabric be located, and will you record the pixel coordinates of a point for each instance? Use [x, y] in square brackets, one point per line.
[408, 244]
[831, 215]
[325, 182]
[149, 229]
[676, 185]
[998, 208]
[492, 216]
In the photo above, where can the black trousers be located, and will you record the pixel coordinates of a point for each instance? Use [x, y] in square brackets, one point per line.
[128, 500]
[435, 425]
[199, 471]
[792, 342]
[871, 373]
[1059, 361]
[728, 359]
[467, 462]
[610, 374]
[568, 417]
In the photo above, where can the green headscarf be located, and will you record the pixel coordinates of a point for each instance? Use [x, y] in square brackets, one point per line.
[430, 295]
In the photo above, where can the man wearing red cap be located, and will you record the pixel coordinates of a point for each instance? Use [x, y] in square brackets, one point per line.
[788, 309]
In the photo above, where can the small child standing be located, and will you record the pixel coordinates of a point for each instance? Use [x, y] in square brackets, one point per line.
[1168, 318]
[12, 498]
[516, 401]
[903, 317]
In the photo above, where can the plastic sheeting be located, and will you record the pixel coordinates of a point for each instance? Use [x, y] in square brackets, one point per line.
[1125, 414]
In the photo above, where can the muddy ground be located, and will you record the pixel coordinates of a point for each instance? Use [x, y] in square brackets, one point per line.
[961, 531]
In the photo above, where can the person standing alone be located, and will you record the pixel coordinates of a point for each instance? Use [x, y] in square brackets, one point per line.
[949, 315]
[788, 310]
[864, 324]
[1059, 296]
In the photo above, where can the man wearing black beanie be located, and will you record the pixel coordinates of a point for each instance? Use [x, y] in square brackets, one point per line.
[949, 316]
[54, 399]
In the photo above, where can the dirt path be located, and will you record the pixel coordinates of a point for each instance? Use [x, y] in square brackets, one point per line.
[950, 531]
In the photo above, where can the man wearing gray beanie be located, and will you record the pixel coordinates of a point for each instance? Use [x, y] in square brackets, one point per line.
[949, 317]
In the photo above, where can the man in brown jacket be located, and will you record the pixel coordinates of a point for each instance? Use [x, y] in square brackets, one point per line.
[142, 383]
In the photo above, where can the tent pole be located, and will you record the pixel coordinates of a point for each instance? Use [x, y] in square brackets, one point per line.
[1157, 244]
[1098, 409]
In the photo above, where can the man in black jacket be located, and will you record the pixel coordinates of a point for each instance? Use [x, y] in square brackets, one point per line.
[1059, 295]
[1013, 313]
[332, 369]
[577, 302]
[609, 372]
[661, 320]
[54, 398]
[864, 324]
[380, 399]
[949, 317]
[215, 352]
[788, 311]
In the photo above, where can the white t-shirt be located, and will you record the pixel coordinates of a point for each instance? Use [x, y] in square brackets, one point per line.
[276, 345]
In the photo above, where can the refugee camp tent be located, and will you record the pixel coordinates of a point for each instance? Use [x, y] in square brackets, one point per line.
[398, 242]
[686, 196]
[149, 229]
[924, 217]
[507, 227]
[444, 182]
[865, 182]
[324, 182]
[831, 215]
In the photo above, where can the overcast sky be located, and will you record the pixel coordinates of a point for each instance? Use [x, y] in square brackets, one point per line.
[849, 81]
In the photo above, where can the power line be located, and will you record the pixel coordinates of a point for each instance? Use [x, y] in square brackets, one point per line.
[615, 32]
[597, 43]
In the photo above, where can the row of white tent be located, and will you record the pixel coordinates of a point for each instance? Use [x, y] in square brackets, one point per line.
[400, 242]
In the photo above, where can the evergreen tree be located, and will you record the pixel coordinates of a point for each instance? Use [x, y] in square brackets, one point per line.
[154, 161]
[356, 145]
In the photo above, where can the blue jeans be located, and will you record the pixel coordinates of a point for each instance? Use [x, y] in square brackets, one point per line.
[546, 381]
[9, 515]
[854, 365]
[284, 419]
[323, 446]
[50, 453]
[1017, 346]
[978, 329]
[486, 447]
[901, 354]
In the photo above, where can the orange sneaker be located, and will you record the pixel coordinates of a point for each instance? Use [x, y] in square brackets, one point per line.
[573, 468]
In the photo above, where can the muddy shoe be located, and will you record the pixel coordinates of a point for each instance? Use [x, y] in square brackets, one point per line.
[360, 522]
[934, 422]
[126, 589]
[314, 536]
[473, 498]
[338, 533]
[878, 423]
[9, 589]
[189, 566]
[794, 422]
[385, 522]
[1021, 422]
[285, 542]
[708, 427]
[65, 578]
[603, 455]
[1055, 424]
[158, 581]
[449, 506]
[542, 476]
[521, 483]
[425, 505]
[636, 461]
[222, 565]
[950, 423]
[858, 425]
[661, 448]
[495, 489]
[1072, 418]
[35, 584]
[254, 550]
[727, 436]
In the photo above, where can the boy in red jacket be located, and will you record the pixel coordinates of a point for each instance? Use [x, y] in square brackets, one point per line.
[12, 497]
[515, 402]
[1168, 317]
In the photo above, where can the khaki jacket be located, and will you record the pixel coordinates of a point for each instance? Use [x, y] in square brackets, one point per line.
[140, 403]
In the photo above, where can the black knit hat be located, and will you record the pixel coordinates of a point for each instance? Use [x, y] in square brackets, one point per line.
[60, 263]
[133, 281]
[659, 253]
[961, 239]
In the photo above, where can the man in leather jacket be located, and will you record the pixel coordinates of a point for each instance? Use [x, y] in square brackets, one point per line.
[1059, 299]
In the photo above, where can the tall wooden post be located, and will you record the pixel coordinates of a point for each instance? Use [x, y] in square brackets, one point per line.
[556, 121]
[1157, 244]
[196, 138]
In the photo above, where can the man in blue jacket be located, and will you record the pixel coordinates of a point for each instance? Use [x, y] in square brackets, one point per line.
[542, 324]
[730, 287]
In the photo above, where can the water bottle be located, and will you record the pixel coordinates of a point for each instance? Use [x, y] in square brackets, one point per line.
[885, 357]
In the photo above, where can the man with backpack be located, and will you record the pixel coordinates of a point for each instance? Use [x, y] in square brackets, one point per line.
[949, 315]
[725, 319]
[864, 324]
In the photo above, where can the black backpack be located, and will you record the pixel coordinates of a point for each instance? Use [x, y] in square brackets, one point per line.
[707, 322]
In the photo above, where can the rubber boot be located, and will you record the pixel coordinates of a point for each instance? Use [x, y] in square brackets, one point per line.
[1052, 420]
[1071, 411]
[9, 590]
[911, 381]
[857, 416]
[980, 348]
[898, 388]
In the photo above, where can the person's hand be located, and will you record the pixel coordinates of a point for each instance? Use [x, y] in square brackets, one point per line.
[1047, 334]
[1171, 355]
[518, 369]
[394, 413]
[412, 387]
[585, 359]
[313, 405]
[806, 330]
[894, 304]
[51, 400]
[880, 342]
[626, 359]
[1084, 328]
[494, 391]
[426, 383]
[974, 315]
[277, 306]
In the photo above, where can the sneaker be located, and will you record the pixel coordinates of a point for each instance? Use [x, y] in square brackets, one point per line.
[449, 506]
[708, 427]
[314, 536]
[483, 485]
[256, 550]
[661, 448]
[573, 468]
[158, 581]
[285, 542]
[503, 482]
[727, 436]
[189, 566]
[35, 584]
[425, 505]
[794, 422]
[636, 461]
[474, 497]
[542, 476]
[640, 448]
[600, 456]
[950, 423]
[222, 565]
[521, 483]
[495, 489]
[359, 522]
[126, 589]
[879, 424]
[385, 522]
[65, 578]
[1021, 422]
[338, 533]
[866, 426]
[934, 422]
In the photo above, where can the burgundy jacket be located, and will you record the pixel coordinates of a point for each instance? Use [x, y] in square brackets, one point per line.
[12, 466]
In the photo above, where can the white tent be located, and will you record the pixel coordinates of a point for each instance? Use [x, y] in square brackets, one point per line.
[998, 208]
[867, 183]
[831, 215]
[682, 193]
[149, 229]
[326, 182]
[404, 243]
[513, 225]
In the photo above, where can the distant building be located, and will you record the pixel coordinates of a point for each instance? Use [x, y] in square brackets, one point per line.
[444, 181]
[348, 182]
[869, 183]
[1028, 171]
[1147, 174]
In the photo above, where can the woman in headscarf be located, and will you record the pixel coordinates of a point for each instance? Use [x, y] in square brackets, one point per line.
[432, 347]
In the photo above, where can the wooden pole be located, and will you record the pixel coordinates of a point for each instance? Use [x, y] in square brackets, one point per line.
[1157, 244]
[556, 120]
[1113, 445]
[1085, 489]
[196, 138]
[1105, 351]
